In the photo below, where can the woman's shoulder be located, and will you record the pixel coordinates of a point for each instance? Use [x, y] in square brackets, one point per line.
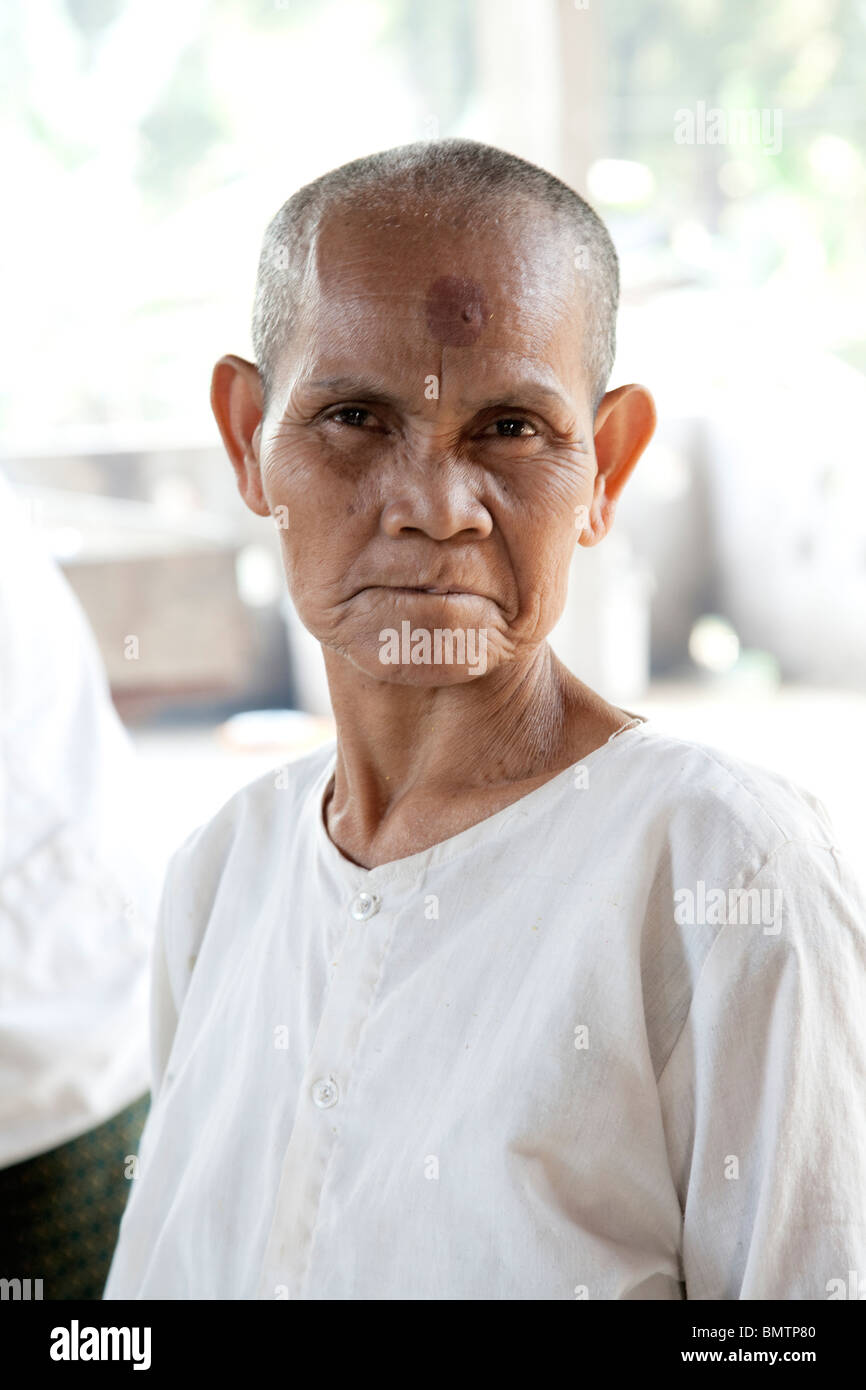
[701, 791]
[258, 812]
[735, 864]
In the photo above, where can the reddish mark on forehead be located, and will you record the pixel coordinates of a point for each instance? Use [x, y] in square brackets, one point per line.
[456, 311]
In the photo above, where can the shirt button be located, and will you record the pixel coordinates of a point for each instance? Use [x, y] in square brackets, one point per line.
[364, 905]
[325, 1092]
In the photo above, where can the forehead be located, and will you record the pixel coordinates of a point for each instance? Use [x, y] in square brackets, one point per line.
[424, 277]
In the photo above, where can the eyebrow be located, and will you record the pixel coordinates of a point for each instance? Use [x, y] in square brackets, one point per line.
[356, 387]
[530, 389]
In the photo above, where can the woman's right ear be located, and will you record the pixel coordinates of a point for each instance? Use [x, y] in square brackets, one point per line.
[236, 399]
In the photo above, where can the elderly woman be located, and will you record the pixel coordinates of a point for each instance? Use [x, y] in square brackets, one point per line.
[505, 995]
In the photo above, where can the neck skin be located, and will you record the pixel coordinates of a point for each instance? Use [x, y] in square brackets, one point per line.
[417, 765]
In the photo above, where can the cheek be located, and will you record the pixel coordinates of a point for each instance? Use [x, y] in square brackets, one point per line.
[321, 511]
[542, 565]
[306, 519]
[541, 537]
[547, 488]
[294, 475]
[543, 506]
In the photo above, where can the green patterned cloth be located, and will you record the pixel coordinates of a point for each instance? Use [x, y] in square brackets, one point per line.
[60, 1211]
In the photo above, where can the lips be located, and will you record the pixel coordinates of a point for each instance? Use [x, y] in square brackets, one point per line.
[440, 590]
[430, 589]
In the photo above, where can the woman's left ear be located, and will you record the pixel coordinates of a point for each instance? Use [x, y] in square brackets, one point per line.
[624, 425]
[236, 400]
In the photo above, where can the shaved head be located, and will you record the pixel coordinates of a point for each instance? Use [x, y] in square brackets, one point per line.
[435, 327]
[451, 183]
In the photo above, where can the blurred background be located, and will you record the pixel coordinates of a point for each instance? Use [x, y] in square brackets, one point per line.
[148, 143]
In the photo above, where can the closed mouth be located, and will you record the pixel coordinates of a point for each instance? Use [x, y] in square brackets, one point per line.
[439, 592]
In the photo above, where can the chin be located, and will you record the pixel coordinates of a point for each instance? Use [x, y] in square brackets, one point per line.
[422, 656]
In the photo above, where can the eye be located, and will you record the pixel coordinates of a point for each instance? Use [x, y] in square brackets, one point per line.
[512, 427]
[353, 415]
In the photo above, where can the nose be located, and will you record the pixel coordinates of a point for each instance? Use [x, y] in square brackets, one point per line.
[433, 496]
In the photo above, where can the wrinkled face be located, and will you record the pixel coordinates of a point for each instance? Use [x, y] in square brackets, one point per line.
[428, 446]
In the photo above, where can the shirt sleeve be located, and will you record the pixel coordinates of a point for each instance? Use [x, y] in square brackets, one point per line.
[188, 893]
[164, 1005]
[764, 1094]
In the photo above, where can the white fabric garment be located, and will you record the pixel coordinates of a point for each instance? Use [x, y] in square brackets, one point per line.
[77, 895]
[500, 1068]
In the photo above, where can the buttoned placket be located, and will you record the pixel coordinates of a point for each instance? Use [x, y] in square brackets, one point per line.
[371, 902]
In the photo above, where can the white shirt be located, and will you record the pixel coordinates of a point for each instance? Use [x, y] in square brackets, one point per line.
[78, 894]
[500, 1068]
